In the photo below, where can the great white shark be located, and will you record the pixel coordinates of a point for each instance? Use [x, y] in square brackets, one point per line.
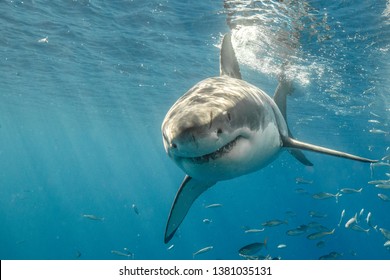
[224, 127]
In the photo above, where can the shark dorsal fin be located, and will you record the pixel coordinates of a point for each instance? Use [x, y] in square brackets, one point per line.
[228, 61]
[280, 97]
[283, 89]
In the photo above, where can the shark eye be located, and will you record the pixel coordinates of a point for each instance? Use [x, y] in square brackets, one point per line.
[229, 117]
[219, 131]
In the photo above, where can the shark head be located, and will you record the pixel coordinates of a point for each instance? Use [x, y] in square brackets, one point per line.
[218, 128]
[199, 129]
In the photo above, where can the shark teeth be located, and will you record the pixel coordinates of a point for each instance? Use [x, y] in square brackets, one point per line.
[217, 154]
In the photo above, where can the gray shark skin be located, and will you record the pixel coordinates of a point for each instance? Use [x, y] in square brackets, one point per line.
[224, 127]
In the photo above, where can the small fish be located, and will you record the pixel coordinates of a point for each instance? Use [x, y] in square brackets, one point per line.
[214, 205]
[341, 217]
[171, 247]
[350, 190]
[44, 40]
[303, 227]
[375, 115]
[318, 226]
[386, 158]
[368, 221]
[325, 195]
[122, 254]
[92, 217]
[351, 221]
[206, 221]
[252, 248]
[301, 191]
[291, 213]
[383, 186]
[383, 197]
[315, 214]
[300, 180]
[378, 131]
[273, 223]
[203, 250]
[330, 256]
[378, 182]
[282, 246]
[320, 234]
[387, 243]
[320, 244]
[361, 212]
[356, 227]
[127, 250]
[374, 121]
[385, 232]
[253, 230]
[294, 232]
[135, 208]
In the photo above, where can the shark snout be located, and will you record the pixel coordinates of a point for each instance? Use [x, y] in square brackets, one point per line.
[168, 142]
[191, 144]
[171, 143]
[195, 133]
[182, 145]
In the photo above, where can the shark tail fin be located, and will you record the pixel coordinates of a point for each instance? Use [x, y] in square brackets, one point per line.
[188, 192]
[228, 60]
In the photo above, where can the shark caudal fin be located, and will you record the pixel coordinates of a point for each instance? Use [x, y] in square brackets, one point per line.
[289, 142]
[228, 60]
[188, 192]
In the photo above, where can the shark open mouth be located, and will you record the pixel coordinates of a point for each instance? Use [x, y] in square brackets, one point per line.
[217, 154]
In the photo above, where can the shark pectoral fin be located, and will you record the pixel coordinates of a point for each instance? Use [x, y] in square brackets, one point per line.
[228, 61]
[300, 156]
[289, 142]
[189, 190]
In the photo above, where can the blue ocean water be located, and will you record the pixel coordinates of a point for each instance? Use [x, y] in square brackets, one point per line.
[85, 86]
